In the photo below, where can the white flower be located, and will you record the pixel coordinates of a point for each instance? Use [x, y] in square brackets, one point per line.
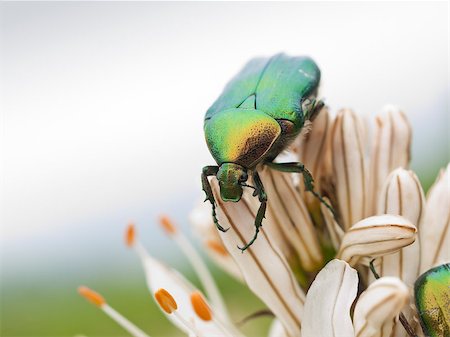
[310, 266]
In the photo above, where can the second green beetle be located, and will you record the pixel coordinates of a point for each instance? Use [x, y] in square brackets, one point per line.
[260, 112]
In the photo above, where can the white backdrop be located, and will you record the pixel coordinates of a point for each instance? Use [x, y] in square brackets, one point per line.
[103, 102]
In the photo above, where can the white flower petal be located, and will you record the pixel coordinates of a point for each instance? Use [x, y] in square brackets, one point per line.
[376, 236]
[276, 329]
[287, 210]
[202, 223]
[310, 150]
[336, 232]
[160, 276]
[435, 229]
[265, 269]
[402, 195]
[390, 148]
[328, 302]
[347, 141]
[378, 306]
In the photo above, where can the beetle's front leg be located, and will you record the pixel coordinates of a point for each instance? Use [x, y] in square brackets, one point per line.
[307, 178]
[317, 105]
[259, 190]
[211, 171]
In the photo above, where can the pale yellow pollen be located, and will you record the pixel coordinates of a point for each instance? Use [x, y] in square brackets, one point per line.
[91, 296]
[130, 235]
[200, 306]
[165, 301]
[217, 247]
[167, 225]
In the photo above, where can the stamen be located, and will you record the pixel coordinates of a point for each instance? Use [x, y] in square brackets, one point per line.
[217, 246]
[166, 301]
[167, 225]
[200, 268]
[169, 306]
[130, 235]
[91, 296]
[200, 306]
[100, 302]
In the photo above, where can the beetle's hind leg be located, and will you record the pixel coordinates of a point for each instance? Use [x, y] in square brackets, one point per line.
[259, 191]
[307, 178]
[211, 171]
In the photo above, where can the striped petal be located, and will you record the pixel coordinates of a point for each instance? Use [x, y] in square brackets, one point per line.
[435, 230]
[203, 225]
[310, 150]
[403, 195]
[376, 236]
[335, 231]
[347, 139]
[390, 148]
[264, 267]
[378, 307]
[288, 212]
[328, 301]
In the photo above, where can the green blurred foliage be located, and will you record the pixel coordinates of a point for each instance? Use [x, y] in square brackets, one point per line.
[53, 308]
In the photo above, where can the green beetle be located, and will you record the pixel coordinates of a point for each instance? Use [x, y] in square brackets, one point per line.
[432, 294]
[260, 112]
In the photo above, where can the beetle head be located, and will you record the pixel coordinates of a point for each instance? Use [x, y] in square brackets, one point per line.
[231, 177]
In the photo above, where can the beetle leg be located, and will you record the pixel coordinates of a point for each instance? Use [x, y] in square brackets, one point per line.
[317, 105]
[307, 178]
[259, 189]
[211, 171]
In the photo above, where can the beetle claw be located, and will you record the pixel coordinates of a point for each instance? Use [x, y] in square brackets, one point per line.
[220, 228]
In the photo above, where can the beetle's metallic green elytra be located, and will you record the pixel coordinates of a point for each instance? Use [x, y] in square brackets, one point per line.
[432, 293]
[261, 110]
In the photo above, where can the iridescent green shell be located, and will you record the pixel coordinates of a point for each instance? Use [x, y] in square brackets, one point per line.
[270, 91]
[240, 136]
[432, 292]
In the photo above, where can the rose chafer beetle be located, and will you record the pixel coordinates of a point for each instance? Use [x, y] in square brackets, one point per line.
[432, 295]
[260, 112]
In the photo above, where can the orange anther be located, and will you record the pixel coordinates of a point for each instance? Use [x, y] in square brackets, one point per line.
[200, 306]
[167, 225]
[217, 246]
[166, 301]
[91, 296]
[130, 235]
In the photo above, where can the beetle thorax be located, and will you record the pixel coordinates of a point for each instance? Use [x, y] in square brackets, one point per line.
[231, 177]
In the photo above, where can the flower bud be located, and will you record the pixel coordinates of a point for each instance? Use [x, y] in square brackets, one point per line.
[402, 195]
[376, 236]
[347, 141]
[390, 148]
[435, 229]
[378, 306]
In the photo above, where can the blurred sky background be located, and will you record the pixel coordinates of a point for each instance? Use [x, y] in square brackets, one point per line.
[102, 113]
